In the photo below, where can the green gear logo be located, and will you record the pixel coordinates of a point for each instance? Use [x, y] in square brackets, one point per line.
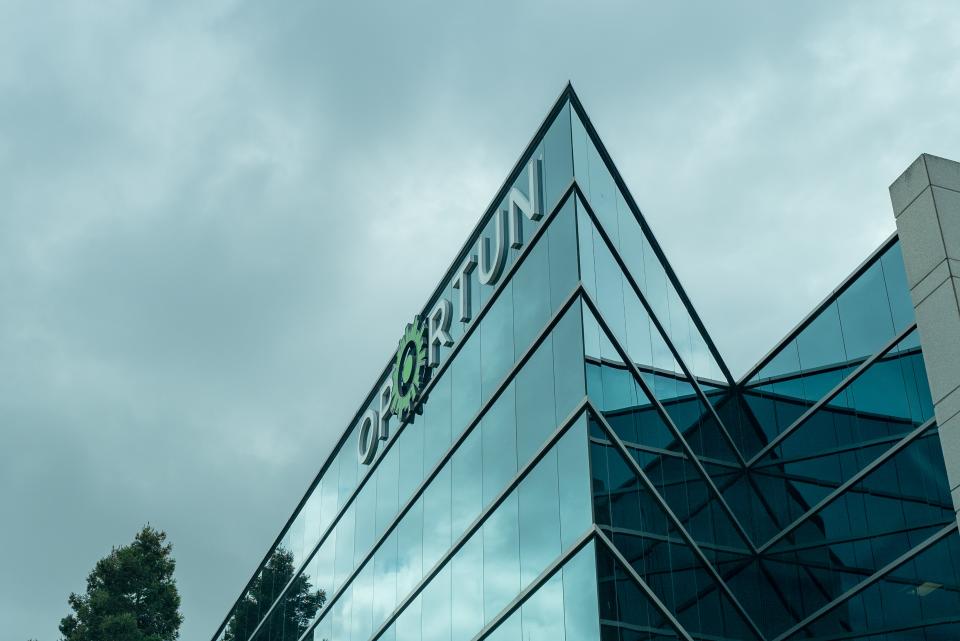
[410, 371]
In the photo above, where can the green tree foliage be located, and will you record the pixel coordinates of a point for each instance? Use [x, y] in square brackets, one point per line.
[131, 595]
[292, 614]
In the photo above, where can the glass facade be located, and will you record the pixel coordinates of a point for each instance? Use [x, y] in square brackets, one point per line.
[583, 466]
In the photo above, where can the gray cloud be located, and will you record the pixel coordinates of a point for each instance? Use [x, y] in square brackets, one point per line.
[202, 207]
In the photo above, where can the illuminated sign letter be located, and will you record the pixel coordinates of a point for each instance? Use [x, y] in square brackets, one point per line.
[489, 273]
[531, 207]
[386, 395]
[438, 324]
[368, 438]
[463, 284]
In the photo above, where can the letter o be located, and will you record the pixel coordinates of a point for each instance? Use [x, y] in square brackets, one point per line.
[368, 437]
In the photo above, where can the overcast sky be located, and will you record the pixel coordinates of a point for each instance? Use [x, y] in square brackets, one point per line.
[203, 204]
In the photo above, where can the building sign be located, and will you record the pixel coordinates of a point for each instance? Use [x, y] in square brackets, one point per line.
[419, 349]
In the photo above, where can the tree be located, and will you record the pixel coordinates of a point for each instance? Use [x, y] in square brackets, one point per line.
[292, 614]
[131, 595]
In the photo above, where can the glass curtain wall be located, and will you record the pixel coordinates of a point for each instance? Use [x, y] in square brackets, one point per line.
[585, 467]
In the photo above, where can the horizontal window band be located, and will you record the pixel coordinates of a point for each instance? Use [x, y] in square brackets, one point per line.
[825, 369]
[671, 453]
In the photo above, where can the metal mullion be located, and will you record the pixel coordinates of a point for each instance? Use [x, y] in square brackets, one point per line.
[672, 516]
[869, 581]
[739, 566]
[660, 538]
[650, 594]
[671, 453]
[648, 233]
[838, 409]
[849, 570]
[774, 584]
[536, 139]
[832, 394]
[851, 539]
[475, 525]
[650, 369]
[698, 391]
[504, 383]
[813, 314]
[853, 480]
[906, 498]
[823, 369]
[831, 452]
[643, 629]
[668, 421]
[891, 630]
[540, 231]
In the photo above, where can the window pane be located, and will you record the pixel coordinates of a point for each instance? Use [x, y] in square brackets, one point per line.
[557, 158]
[343, 564]
[536, 417]
[468, 590]
[408, 623]
[564, 270]
[539, 519]
[436, 518]
[581, 615]
[501, 558]
[575, 511]
[436, 420]
[542, 613]
[436, 607]
[467, 482]
[496, 337]
[466, 391]
[410, 549]
[499, 436]
[531, 296]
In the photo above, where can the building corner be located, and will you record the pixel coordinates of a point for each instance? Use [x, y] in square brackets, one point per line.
[926, 206]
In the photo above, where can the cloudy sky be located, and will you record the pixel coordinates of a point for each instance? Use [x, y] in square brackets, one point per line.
[202, 205]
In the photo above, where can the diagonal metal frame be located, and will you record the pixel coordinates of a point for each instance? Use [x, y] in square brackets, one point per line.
[850, 482]
[668, 421]
[822, 369]
[867, 263]
[535, 584]
[646, 589]
[691, 379]
[869, 581]
[647, 232]
[662, 503]
[832, 394]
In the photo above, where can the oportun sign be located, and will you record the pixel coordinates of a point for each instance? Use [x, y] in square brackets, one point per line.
[418, 352]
